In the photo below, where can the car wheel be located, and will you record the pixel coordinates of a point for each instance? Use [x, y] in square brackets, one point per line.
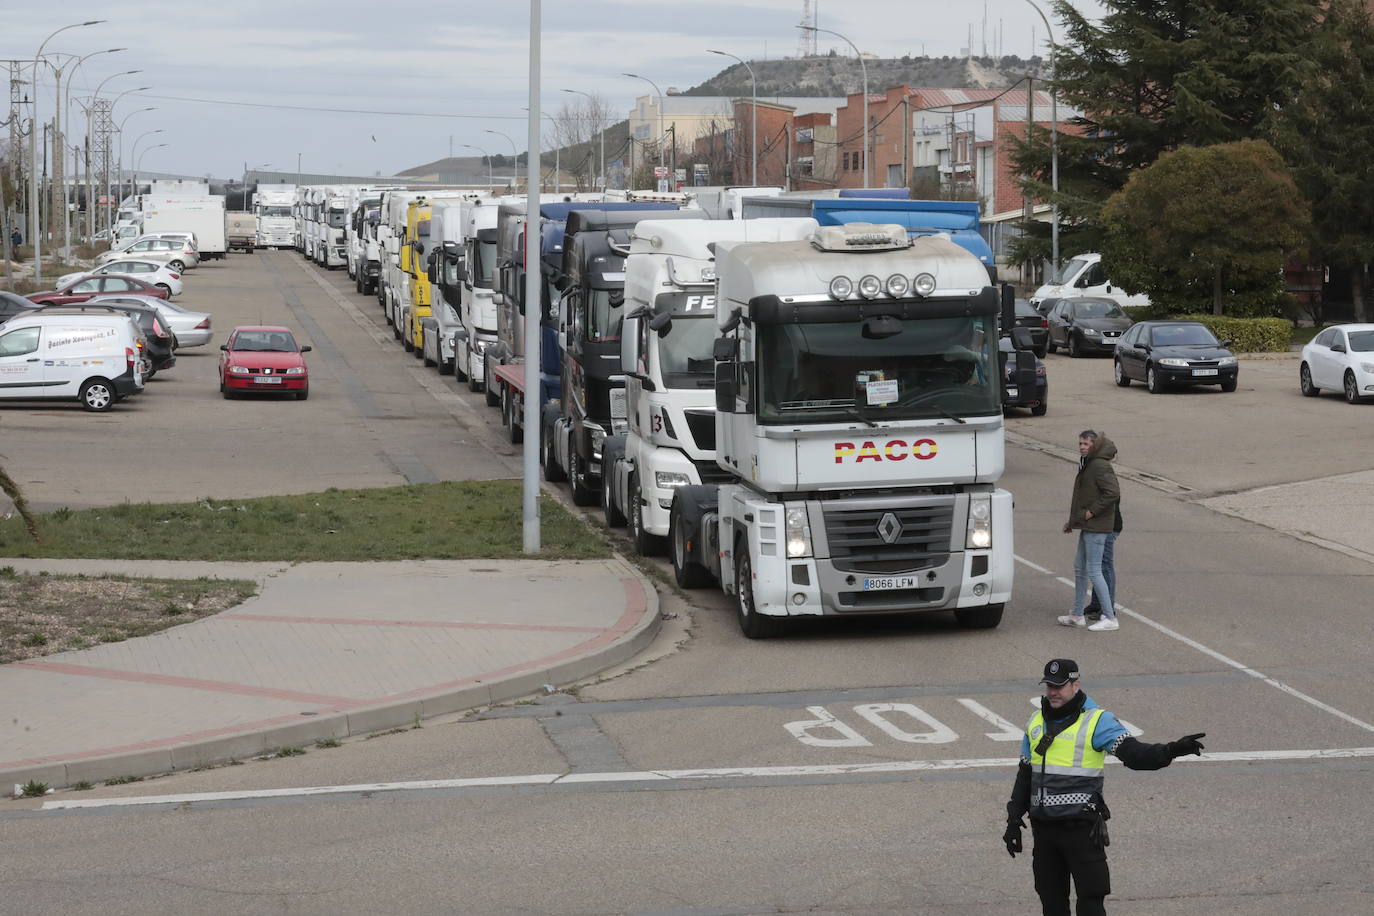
[614, 517]
[1229, 385]
[150, 374]
[552, 472]
[1152, 381]
[582, 495]
[302, 394]
[1119, 373]
[97, 395]
[645, 544]
[1352, 390]
[751, 623]
[687, 573]
[979, 618]
[1051, 346]
[1039, 410]
[178, 266]
[1309, 390]
[1075, 350]
[165, 288]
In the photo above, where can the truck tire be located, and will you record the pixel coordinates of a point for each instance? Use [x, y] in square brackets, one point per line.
[493, 397]
[552, 472]
[582, 495]
[614, 517]
[687, 572]
[751, 623]
[475, 384]
[645, 544]
[514, 433]
[979, 618]
[458, 367]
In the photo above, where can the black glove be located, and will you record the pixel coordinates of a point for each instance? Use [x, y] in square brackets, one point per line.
[1013, 837]
[1188, 744]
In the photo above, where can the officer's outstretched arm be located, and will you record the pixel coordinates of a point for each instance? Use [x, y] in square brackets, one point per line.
[1019, 803]
[1138, 755]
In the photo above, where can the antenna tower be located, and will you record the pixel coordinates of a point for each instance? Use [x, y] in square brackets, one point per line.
[806, 44]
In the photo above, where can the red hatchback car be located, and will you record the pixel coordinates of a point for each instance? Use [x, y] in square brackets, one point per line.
[263, 358]
[90, 287]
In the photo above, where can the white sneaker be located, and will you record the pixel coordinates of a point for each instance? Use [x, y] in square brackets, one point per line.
[1073, 620]
[1106, 623]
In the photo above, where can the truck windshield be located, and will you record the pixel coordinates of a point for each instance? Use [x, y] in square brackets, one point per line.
[274, 211]
[605, 313]
[928, 368]
[337, 218]
[483, 260]
[684, 353]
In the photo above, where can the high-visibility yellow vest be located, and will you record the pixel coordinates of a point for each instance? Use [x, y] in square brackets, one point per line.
[1067, 779]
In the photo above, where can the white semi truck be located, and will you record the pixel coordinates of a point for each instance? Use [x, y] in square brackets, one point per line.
[859, 426]
[670, 440]
[276, 226]
[477, 308]
[331, 249]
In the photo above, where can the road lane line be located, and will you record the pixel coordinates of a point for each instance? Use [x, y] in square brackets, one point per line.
[660, 776]
[1226, 660]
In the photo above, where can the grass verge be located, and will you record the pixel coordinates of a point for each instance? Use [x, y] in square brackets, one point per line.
[452, 520]
[41, 615]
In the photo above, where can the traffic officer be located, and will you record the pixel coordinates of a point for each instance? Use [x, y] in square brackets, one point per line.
[1059, 783]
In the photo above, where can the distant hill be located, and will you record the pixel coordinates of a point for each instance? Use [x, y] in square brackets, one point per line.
[832, 76]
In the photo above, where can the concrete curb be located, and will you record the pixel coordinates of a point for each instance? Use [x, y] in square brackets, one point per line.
[632, 634]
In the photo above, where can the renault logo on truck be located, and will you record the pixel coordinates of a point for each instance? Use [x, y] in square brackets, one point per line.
[892, 450]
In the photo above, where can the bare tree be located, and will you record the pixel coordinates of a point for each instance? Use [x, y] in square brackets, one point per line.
[577, 130]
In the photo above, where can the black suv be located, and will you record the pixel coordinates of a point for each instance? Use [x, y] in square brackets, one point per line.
[162, 343]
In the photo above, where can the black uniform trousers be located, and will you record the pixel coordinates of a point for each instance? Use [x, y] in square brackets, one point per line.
[1064, 849]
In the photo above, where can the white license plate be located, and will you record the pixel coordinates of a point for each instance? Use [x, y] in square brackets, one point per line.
[617, 403]
[1013, 392]
[1204, 372]
[1110, 340]
[267, 380]
[884, 583]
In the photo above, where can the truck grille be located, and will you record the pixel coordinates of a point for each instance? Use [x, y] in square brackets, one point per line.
[701, 424]
[857, 545]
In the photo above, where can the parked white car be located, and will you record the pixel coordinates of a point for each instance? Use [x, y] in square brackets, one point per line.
[175, 253]
[154, 272]
[82, 355]
[1341, 358]
[189, 329]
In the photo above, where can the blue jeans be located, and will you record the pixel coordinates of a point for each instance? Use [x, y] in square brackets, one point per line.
[1087, 573]
[1108, 573]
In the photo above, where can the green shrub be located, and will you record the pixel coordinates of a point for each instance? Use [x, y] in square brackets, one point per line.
[1249, 335]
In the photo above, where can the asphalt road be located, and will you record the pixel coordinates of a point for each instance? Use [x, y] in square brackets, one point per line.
[849, 767]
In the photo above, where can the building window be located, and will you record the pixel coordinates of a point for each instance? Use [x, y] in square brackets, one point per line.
[805, 135]
[845, 166]
[806, 165]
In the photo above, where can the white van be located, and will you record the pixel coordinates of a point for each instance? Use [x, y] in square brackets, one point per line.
[1082, 276]
[91, 357]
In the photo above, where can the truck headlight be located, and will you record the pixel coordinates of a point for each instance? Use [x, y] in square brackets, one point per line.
[598, 436]
[798, 532]
[979, 523]
[670, 480]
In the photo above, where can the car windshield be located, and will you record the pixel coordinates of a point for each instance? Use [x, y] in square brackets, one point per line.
[919, 368]
[1182, 335]
[1361, 341]
[1094, 308]
[1070, 270]
[265, 341]
[684, 352]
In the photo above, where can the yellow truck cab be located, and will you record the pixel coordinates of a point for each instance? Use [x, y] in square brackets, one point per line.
[413, 251]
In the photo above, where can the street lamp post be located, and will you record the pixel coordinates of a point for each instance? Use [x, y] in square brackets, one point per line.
[133, 153]
[592, 102]
[105, 178]
[66, 117]
[490, 182]
[139, 162]
[863, 68]
[120, 160]
[661, 134]
[754, 110]
[557, 156]
[516, 154]
[1054, 145]
[33, 152]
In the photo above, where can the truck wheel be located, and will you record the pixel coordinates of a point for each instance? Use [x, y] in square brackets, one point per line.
[645, 544]
[97, 394]
[979, 618]
[475, 384]
[457, 366]
[614, 517]
[493, 397]
[358, 282]
[514, 433]
[552, 472]
[407, 340]
[687, 573]
[582, 495]
[751, 623]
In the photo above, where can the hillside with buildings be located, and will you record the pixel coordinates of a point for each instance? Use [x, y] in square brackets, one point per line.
[837, 75]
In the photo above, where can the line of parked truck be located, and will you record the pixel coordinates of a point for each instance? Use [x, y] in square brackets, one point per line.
[799, 398]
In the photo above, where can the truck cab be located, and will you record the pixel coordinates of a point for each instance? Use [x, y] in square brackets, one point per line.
[333, 249]
[475, 277]
[859, 420]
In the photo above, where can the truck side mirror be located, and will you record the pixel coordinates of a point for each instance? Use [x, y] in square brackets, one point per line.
[460, 272]
[1021, 339]
[725, 348]
[725, 387]
[629, 345]
[1025, 370]
[661, 323]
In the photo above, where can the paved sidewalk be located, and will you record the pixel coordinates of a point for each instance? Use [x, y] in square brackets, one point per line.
[324, 650]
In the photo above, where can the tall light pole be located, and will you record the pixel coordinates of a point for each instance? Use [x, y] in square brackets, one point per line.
[298, 170]
[534, 283]
[1054, 144]
[120, 160]
[490, 183]
[661, 134]
[754, 109]
[33, 152]
[139, 163]
[863, 68]
[516, 154]
[66, 117]
[592, 103]
[109, 224]
[557, 156]
[133, 154]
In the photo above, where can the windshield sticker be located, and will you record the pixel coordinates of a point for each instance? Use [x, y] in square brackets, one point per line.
[881, 392]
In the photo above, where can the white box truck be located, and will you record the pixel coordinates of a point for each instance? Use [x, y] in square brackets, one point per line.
[185, 213]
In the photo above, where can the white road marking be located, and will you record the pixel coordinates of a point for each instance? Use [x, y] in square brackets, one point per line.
[1005, 730]
[1212, 653]
[774, 772]
[847, 736]
[938, 733]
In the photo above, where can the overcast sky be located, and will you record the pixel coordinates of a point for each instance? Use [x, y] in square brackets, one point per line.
[459, 67]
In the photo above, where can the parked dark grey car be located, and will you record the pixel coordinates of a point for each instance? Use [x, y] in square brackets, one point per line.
[1165, 353]
[1086, 325]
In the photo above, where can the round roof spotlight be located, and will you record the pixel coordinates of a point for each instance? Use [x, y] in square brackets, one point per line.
[841, 287]
[897, 286]
[870, 287]
[924, 284]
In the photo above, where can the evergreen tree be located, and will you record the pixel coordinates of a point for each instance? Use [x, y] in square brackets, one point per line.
[1326, 137]
[1153, 76]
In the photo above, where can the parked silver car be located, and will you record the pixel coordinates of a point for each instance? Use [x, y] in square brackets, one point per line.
[190, 329]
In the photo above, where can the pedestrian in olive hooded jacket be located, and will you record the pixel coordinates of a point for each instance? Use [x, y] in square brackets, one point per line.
[1092, 512]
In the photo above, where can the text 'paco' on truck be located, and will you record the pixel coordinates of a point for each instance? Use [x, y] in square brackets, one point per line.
[859, 425]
